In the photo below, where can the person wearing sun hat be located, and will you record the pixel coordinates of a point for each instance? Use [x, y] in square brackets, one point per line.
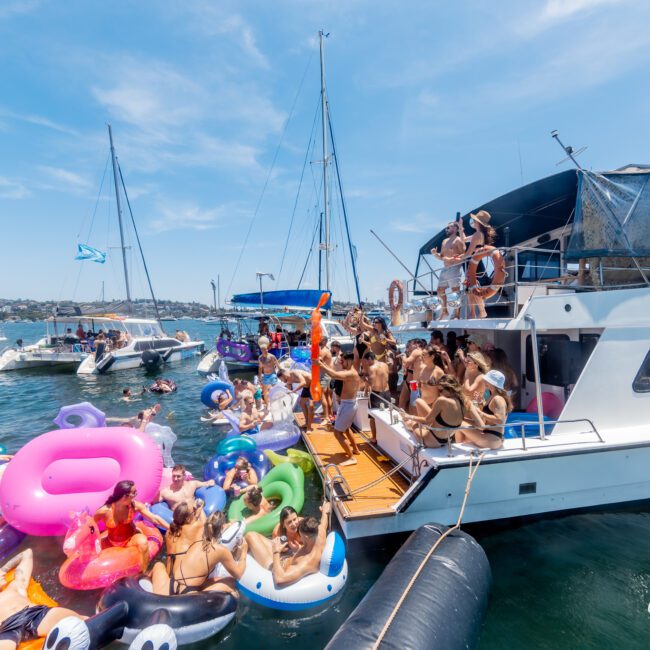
[484, 235]
[488, 433]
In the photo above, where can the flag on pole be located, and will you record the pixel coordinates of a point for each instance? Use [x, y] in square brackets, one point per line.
[89, 253]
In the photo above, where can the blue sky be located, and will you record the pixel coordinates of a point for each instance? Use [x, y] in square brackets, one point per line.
[434, 104]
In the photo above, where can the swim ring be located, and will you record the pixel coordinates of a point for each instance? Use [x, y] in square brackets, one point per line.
[214, 499]
[236, 443]
[285, 482]
[257, 582]
[67, 470]
[89, 566]
[90, 416]
[219, 465]
[192, 618]
[234, 351]
[302, 459]
[211, 392]
[170, 382]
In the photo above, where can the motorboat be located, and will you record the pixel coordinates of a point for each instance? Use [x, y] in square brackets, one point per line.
[572, 314]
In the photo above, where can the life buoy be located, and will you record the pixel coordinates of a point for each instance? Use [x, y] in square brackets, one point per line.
[396, 286]
[498, 277]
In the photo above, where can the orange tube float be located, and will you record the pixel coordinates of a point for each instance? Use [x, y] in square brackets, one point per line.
[316, 337]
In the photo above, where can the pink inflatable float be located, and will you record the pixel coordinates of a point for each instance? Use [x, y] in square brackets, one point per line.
[64, 471]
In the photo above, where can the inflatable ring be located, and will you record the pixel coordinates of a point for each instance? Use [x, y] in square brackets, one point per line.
[208, 396]
[498, 277]
[312, 590]
[234, 351]
[89, 566]
[170, 382]
[214, 499]
[396, 286]
[67, 470]
[316, 337]
[219, 465]
[286, 482]
[90, 416]
[235, 443]
[193, 618]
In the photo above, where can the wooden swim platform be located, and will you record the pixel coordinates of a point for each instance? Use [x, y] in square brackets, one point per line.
[377, 500]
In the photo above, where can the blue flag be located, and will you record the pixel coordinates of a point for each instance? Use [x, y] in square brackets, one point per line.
[89, 253]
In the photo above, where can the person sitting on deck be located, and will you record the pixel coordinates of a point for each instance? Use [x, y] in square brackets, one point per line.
[287, 569]
[20, 619]
[476, 365]
[493, 416]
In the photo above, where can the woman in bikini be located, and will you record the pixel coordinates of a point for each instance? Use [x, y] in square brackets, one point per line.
[431, 373]
[476, 365]
[188, 570]
[288, 527]
[379, 338]
[118, 514]
[489, 432]
[445, 417]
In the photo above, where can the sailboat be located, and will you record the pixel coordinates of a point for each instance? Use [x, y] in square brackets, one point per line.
[290, 308]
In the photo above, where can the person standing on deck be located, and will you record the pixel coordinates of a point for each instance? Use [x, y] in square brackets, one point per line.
[267, 372]
[326, 399]
[348, 405]
[452, 248]
[375, 373]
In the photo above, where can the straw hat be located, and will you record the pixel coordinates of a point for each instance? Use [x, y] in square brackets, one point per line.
[482, 216]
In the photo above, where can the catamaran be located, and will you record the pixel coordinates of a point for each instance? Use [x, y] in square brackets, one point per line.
[573, 317]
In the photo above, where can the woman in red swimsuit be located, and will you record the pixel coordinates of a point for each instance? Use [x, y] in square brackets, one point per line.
[118, 514]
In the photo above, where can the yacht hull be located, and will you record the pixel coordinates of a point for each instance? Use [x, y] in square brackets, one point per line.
[25, 360]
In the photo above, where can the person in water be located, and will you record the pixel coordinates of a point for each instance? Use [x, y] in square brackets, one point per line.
[190, 565]
[241, 472]
[181, 488]
[20, 619]
[118, 514]
[255, 502]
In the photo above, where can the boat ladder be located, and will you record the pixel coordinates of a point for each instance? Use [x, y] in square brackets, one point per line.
[335, 484]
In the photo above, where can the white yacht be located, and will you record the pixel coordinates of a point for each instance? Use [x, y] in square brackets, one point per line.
[145, 346]
[573, 317]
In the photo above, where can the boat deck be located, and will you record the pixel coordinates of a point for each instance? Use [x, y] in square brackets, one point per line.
[377, 500]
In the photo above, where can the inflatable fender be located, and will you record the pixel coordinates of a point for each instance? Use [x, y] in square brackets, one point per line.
[192, 618]
[89, 415]
[67, 470]
[285, 482]
[218, 466]
[210, 392]
[214, 499]
[236, 444]
[312, 590]
[164, 437]
[453, 586]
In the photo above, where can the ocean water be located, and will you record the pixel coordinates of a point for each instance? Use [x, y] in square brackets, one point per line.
[578, 581]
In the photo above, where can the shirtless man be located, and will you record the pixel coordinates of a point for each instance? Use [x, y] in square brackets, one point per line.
[325, 357]
[348, 405]
[268, 368]
[451, 251]
[305, 561]
[181, 489]
[303, 380]
[251, 420]
[240, 386]
[21, 620]
[375, 374]
[412, 364]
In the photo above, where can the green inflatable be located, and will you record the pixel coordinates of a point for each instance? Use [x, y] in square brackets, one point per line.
[285, 483]
[297, 457]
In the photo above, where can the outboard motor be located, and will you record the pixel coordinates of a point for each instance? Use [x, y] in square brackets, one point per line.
[151, 359]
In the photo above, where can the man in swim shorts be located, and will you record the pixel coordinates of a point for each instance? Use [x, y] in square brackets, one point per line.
[182, 489]
[268, 368]
[375, 374]
[347, 405]
[20, 619]
[300, 380]
[326, 398]
[451, 250]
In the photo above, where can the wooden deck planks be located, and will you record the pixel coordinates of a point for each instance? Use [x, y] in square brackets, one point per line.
[377, 500]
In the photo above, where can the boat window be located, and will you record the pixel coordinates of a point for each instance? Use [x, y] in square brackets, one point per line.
[642, 380]
[534, 266]
[560, 360]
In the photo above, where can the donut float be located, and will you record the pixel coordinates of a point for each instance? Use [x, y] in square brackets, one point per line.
[88, 415]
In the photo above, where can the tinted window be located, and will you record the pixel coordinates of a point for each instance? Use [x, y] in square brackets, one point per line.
[642, 380]
[560, 360]
[535, 266]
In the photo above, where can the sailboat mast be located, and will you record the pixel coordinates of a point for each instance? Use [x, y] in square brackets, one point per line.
[119, 217]
[325, 162]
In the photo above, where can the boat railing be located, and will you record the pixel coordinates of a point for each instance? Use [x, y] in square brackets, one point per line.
[529, 270]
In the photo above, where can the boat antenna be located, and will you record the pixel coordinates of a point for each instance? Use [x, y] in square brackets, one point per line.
[406, 268]
[137, 238]
[323, 93]
[568, 150]
[119, 217]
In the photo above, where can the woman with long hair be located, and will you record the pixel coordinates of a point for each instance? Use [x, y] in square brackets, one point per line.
[288, 527]
[431, 373]
[491, 421]
[190, 570]
[476, 365]
[118, 514]
[499, 361]
[484, 235]
[379, 338]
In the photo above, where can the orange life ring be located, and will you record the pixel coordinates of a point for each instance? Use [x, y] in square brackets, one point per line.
[396, 285]
[498, 277]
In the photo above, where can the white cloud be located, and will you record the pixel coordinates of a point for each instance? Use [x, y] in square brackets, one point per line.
[190, 216]
[38, 120]
[64, 177]
[12, 189]
[417, 223]
[9, 9]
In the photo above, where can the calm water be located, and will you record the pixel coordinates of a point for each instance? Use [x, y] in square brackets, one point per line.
[579, 581]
